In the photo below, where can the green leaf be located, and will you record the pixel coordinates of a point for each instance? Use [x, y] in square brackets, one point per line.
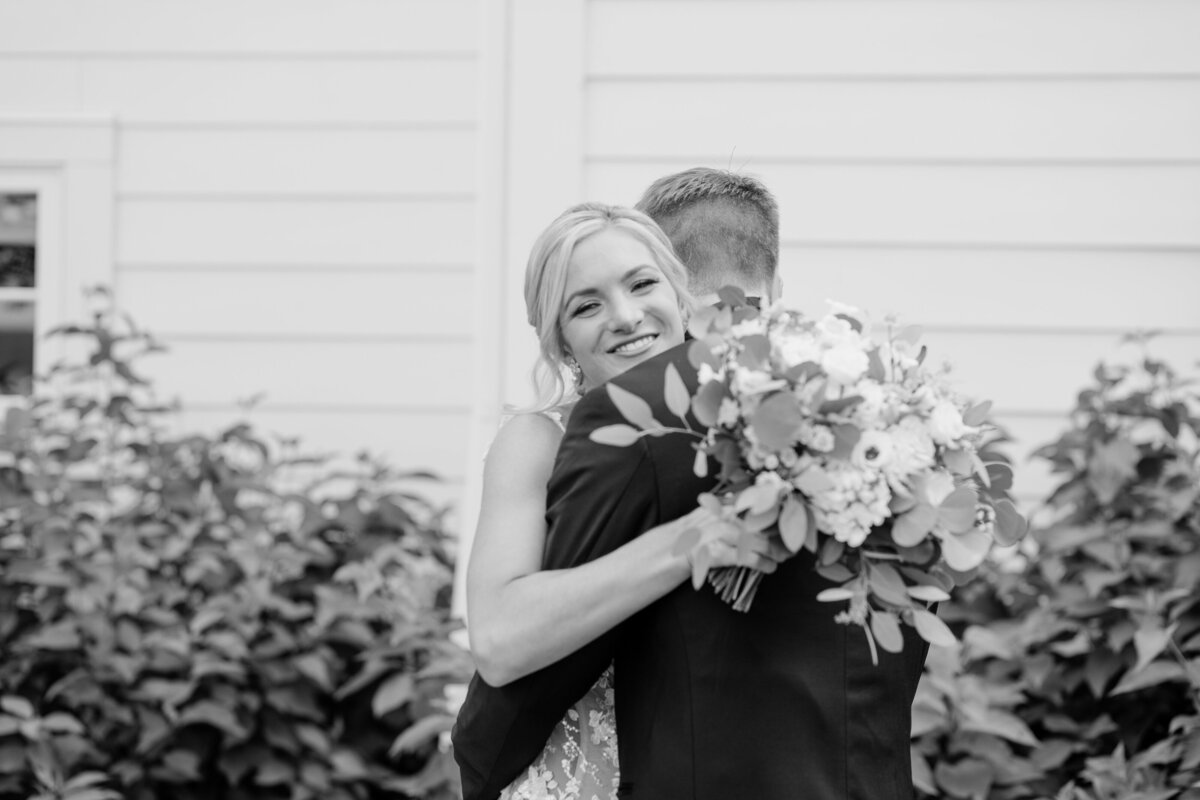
[793, 523]
[969, 778]
[959, 462]
[675, 393]
[928, 594]
[835, 594]
[922, 775]
[60, 722]
[635, 410]
[1150, 641]
[977, 414]
[1003, 724]
[813, 481]
[17, 706]
[932, 629]
[421, 732]
[392, 693]
[845, 437]
[707, 403]
[1156, 673]
[886, 582]
[777, 420]
[911, 527]
[210, 713]
[1011, 526]
[614, 435]
[957, 512]
[886, 629]
[1110, 467]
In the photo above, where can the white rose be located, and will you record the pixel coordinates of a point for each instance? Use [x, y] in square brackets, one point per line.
[795, 348]
[750, 327]
[836, 330]
[844, 364]
[873, 450]
[728, 413]
[752, 381]
[946, 423]
[816, 437]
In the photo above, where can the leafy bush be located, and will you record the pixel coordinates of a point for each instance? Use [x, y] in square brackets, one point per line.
[192, 617]
[1079, 672]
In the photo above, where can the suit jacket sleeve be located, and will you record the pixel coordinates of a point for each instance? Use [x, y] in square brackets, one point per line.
[598, 498]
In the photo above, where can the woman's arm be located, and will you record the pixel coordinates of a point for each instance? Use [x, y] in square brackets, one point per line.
[522, 619]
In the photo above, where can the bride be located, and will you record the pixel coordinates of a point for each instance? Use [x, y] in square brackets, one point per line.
[604, 291]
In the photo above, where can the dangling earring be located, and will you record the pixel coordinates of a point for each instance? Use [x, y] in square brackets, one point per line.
[576, 373]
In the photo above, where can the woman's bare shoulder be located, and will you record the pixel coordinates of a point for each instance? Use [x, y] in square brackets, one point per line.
[525, 440]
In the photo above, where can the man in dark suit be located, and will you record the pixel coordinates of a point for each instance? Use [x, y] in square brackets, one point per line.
[777, 703]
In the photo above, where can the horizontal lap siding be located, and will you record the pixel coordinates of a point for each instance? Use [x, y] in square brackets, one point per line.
[295, 202]
[1020, 178]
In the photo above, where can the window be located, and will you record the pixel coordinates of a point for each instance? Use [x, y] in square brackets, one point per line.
[56, 223]
[18, 290]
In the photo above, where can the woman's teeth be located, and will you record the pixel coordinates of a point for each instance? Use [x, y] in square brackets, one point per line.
[634, 345]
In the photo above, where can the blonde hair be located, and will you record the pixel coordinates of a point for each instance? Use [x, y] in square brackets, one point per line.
[546, 285]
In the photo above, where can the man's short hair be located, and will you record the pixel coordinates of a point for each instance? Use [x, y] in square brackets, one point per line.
[723, 226]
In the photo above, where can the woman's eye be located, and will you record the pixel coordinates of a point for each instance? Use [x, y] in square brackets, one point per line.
[583, 309]
[644, 283]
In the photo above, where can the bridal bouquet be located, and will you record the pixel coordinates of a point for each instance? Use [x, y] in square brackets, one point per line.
[834, 431]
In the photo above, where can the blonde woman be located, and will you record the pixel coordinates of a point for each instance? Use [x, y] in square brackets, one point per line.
[605, 292]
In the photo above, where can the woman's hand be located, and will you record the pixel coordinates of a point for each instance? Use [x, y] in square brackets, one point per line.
[709, 540]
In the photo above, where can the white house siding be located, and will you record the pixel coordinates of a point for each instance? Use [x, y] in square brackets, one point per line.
[295, 200]
[1020, 177]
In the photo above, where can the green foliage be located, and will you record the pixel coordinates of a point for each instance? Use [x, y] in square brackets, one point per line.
[207, 617]
[1079, 672]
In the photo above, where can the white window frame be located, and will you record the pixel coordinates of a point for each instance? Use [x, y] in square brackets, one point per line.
[67, 161]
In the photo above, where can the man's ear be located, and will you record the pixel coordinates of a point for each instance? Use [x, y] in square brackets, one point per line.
[776, 287]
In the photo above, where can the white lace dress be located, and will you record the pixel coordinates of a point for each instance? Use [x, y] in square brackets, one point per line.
[579, 761]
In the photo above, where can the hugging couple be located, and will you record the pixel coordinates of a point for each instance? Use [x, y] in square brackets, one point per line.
[602, 672]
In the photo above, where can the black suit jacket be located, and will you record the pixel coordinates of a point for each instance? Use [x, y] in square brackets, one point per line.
[774, 704]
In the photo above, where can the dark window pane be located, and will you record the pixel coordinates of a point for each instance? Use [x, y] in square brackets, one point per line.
[18, 239]
[16, 346]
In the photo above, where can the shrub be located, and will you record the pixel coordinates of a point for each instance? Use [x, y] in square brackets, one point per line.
[193, 617]
[1079, 672]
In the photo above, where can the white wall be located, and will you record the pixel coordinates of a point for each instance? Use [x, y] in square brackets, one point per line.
[294, 201]
[1020, 177]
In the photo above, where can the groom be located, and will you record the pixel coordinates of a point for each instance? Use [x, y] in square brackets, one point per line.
[774, 704]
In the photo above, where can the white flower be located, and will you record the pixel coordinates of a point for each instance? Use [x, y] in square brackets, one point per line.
[857, 503]
[749, 327]
[912, 451]
[705, 373]
[752, 381]
[816, 437]
[797, 347]
[729, 413]
[946, 424]
[835, 330]
[873, 450]
[845, 363]
[870, 412]
[770, 480]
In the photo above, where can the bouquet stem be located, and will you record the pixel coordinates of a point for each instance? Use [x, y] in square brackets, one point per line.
[736, 585]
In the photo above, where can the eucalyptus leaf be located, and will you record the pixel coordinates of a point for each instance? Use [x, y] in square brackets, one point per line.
[615, 435]
[675, 393]
[635, 409]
